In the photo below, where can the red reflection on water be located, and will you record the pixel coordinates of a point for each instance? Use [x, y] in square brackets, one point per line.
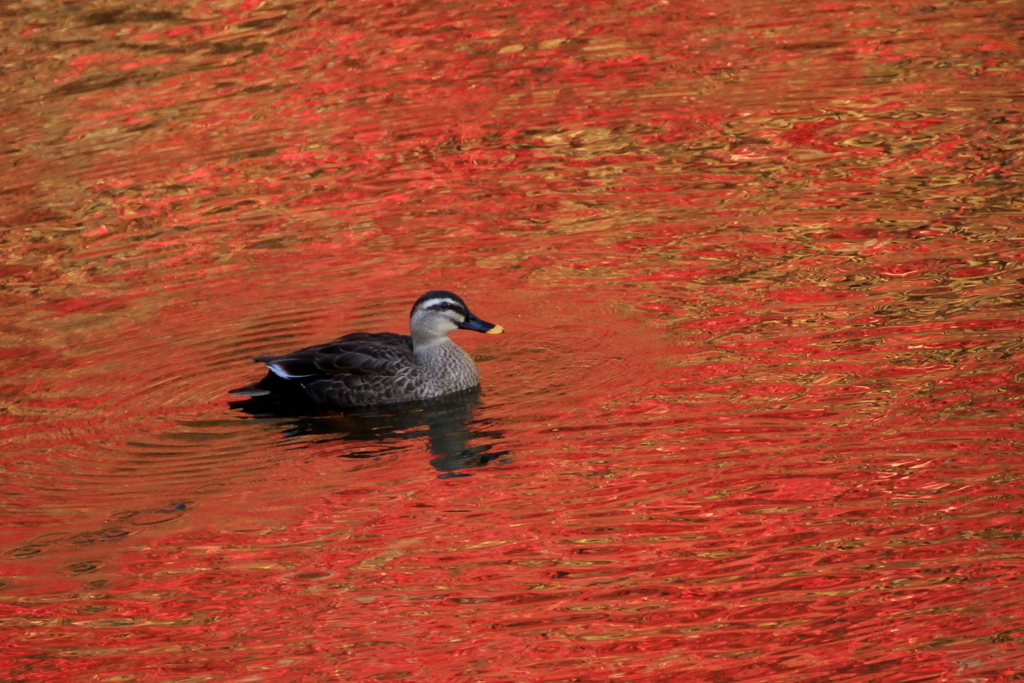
[760, 269]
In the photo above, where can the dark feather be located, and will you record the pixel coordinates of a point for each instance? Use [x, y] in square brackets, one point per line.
[341, 372]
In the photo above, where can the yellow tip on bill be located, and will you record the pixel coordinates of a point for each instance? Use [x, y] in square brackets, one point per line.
[497, 329]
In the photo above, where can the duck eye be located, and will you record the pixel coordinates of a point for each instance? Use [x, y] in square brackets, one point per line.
[447, 307]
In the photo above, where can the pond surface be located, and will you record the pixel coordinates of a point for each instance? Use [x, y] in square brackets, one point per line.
[756, 415]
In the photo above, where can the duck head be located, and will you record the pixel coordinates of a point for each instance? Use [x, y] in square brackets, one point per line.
[438, 313]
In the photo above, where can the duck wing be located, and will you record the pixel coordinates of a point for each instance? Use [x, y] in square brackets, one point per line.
[362, 354]
[355, 370]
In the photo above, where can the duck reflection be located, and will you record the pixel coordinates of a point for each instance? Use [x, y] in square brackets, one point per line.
[449, 423]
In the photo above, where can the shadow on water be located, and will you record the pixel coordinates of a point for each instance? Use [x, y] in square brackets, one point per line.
[449, 424]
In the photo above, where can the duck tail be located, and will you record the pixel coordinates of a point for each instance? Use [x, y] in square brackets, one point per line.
[252, 390]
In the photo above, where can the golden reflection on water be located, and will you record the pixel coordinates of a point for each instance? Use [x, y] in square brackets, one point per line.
[760, 392]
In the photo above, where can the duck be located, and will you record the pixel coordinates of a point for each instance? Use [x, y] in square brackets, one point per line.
[383, 368]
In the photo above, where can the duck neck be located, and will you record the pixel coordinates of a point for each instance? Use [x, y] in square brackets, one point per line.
[443, 358]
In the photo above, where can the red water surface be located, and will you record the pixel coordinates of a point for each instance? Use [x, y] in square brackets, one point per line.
[757, 413]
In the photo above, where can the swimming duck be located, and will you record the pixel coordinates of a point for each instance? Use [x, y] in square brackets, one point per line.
[363, 369]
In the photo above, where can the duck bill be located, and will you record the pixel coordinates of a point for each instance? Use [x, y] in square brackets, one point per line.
[477, 325]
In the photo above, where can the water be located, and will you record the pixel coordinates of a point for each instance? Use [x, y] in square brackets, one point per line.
[756, 415]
